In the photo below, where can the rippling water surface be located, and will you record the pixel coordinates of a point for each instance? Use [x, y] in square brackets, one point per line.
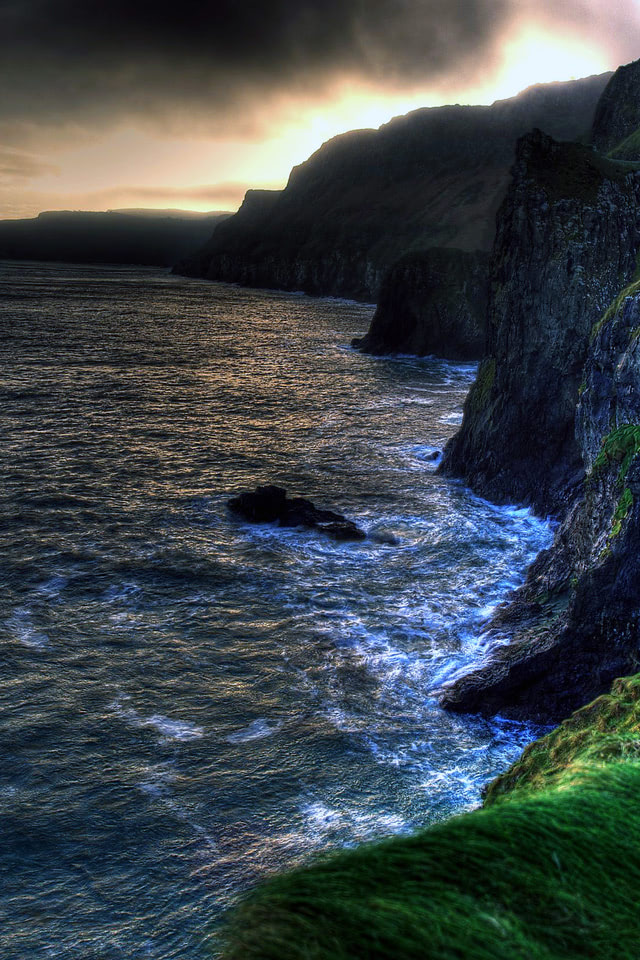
[189, 702]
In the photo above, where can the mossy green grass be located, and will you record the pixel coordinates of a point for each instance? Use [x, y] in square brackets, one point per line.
[548, 870]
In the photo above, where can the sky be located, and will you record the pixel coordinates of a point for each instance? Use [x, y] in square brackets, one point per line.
[129, 103]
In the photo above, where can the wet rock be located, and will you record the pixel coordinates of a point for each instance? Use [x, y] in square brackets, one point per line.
[381, 536]
[567, 238]
[432, 303]
[270, 504]
[575, 624]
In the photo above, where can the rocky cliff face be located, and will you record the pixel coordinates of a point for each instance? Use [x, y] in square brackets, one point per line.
[433, 178]
[575, 623]
[567, 238]
[433, 302]
[616, 125]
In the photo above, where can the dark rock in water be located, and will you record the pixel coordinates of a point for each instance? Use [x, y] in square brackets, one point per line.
[381, 536]
[575, 625]
[567, 238]
[432, 302]
[270, 504]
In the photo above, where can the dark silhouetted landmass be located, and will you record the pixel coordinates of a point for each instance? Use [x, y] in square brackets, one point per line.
[434, 177]
[149, 238]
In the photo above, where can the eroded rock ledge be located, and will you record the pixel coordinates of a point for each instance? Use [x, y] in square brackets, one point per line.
[432, 302]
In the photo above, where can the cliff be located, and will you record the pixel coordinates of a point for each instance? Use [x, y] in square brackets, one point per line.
[567, 236]
[148, 238]
[549, 868]
[575, 624]
[432, 178]
[616, 125]
[434, 302]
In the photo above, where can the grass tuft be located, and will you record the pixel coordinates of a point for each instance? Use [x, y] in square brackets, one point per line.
[548, 870]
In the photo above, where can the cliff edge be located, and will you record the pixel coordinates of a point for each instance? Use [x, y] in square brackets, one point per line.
[575, 624]
[567, 237]
[434, 177]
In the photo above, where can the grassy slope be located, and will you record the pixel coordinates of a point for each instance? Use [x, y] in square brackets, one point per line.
[550, 868]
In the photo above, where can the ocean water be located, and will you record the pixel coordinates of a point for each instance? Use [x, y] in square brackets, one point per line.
[188, 702]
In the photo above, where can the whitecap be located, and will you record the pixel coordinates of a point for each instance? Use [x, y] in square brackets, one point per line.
[173, 729]
[255, 731]
[22, 628]
[168, 728]
[54, 586]
[322, 819]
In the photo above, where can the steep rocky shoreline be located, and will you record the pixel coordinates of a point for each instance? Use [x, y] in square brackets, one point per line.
[574, 626]
[433, 178]
[553, 420]
[434, 302]
[567, 237]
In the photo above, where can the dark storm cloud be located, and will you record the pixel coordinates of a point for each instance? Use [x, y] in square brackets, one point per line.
[60, 58]
[84, 62]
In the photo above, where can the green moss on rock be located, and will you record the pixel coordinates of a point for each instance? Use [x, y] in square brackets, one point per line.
[621, 446]
[604, 731]
[615, 307]
[628, 149]
[481, 393]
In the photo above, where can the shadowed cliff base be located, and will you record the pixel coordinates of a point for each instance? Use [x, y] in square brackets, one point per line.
[575, 624]
[432, 302]
[537, 873]
[432, 178]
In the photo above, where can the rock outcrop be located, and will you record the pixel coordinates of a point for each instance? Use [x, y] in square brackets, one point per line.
[270, 504]
[434, 302]
[567, 237]
[616, 125]
[432, 178]
[575, 624]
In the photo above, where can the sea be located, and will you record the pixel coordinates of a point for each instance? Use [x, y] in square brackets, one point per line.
[190, 703]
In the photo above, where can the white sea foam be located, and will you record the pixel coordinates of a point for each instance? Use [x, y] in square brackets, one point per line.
[173, 729]
[121, 591]
[54, 586]
[21, 626]
[454, 418]
[256, 730]
[168, 728]
[322, 820]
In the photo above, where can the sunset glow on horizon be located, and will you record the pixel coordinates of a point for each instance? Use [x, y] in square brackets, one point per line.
[200, 164]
